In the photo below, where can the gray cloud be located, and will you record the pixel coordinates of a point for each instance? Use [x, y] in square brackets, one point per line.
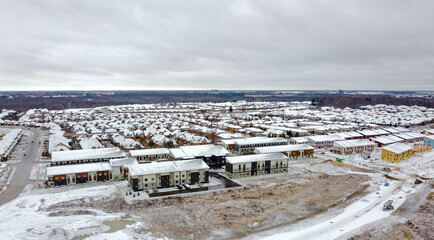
[221, 44]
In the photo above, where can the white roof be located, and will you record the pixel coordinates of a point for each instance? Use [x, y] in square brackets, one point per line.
[123, 162]
[177, 153]
[79, 168]
[9, 140]
[153, 168]
[353, 143]
[90, 143]
[283, 148]
[228, 141]
[325, 138]
[189, 165]
[259, 140]
[385, 140]
[369, 133]
[354, 134]
[299, 139]
[204, 150]
[398, 148]
[151, 151]
[87, 154]
[255, 158]
[409, 135]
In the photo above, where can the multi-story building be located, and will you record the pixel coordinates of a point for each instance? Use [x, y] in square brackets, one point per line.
[429, 140]
[167, 174]
[248, 145]
[256, 164]
[294, 151]
[353, 146]
[213, 155]
[323, 141]
[149, 155]
[86, 156]
[396, 152]
[79, 173]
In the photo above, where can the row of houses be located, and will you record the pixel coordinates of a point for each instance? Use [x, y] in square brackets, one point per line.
[8, 143]
[399, 151]
[247, 146]
[257, 164]
[140, 176]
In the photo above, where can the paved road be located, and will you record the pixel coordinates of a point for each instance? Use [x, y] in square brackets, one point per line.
[20, 179]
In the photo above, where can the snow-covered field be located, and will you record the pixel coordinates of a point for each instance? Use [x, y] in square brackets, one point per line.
[29, 217]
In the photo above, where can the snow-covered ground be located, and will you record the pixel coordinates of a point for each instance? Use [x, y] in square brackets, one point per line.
[370, 208]
[29, 216]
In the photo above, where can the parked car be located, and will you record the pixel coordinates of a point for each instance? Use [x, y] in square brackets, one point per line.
[187, 186]
[179, 187]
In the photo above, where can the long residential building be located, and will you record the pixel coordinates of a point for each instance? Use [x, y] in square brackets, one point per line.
[149, 155]
[396, 152]
[294, 151]
[86, 156]
[8, 143]
[154, 175]
[323, 141]
[353, 146]
[248, 145]
[79, 173]
[121, 167]
[213, 155]
[256, 164]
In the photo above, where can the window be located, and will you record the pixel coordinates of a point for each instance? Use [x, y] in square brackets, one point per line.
[152, 180]
[146, 179]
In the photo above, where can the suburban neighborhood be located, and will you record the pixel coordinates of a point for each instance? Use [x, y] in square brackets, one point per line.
[159, 151]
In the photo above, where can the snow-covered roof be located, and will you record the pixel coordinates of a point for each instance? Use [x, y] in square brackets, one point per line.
[398, 148]
[324, 138]
[151, 151]
[299, 139]
[153, 168]
[9, 140]
[283, 148]
[353, 143]
[369, 133]
[90, 143]
[385, 140]
[255, 158]
[79, 168]
[259, 140]
[121, 162]
[189, 165]
[87, 154]
[409, 135]
[204, 150]
[177, 153]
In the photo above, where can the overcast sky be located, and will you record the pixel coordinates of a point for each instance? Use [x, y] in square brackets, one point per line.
[109, 45]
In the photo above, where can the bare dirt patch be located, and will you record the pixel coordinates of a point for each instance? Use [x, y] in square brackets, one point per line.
[234, 213]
